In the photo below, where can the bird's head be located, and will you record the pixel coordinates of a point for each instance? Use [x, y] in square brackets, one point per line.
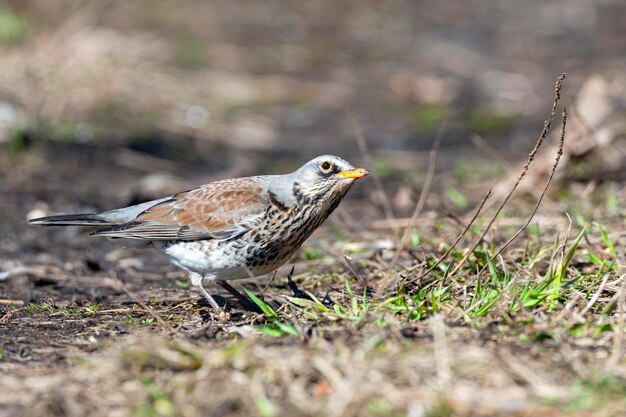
[326, 177]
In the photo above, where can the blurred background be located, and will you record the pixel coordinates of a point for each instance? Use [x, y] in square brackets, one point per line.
[108, 103]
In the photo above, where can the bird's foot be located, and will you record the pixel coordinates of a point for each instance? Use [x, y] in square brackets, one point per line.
[297, 292]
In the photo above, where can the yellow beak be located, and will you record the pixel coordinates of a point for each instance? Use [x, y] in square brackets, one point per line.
[354, 173]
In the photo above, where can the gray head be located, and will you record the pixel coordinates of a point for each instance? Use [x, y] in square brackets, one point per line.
[325, 177]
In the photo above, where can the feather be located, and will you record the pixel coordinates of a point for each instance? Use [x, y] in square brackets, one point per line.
[219, 210]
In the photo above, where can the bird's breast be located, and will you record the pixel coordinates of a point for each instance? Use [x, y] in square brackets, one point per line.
[261, 250]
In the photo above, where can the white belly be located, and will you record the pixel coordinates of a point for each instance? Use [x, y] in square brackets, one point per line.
[212, 261]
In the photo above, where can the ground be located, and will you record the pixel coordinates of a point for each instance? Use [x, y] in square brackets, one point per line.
[390, 314]
[93, 326]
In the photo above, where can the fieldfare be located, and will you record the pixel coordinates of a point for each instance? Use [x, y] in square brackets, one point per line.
[231, 229]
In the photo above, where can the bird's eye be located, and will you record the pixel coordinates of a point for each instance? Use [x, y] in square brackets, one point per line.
[326, 166]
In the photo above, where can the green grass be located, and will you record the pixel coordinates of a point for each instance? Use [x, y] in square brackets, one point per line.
[548, 303]
[274, 326]
[501, 291]
[457, 198]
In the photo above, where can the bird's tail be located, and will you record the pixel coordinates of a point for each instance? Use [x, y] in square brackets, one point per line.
[87, 219]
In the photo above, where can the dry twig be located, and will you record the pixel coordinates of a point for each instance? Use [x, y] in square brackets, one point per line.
[559, 153]
[546, 128]
[380, 188]
[618, 338]
[432, 160]
[458, 239]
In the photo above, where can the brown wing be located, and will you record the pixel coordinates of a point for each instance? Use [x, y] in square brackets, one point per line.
[221, 209]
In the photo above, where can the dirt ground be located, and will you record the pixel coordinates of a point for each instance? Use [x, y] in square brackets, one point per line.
[108, 104]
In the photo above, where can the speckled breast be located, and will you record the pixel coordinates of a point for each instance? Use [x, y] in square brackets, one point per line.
[272, 243]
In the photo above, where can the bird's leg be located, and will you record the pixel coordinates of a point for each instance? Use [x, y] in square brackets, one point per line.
[239, 296]
[297, 292]
[196, 280]
[232, 291]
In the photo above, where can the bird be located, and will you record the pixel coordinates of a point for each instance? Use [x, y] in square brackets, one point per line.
[233, 228]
